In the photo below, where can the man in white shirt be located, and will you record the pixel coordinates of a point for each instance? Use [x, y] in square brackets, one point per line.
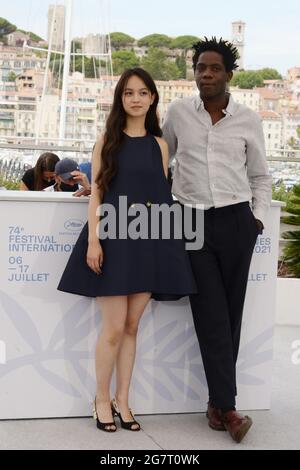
[220, 162]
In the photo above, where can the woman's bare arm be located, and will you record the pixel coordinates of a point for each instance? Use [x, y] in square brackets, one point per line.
[164, 153]
[23, 186]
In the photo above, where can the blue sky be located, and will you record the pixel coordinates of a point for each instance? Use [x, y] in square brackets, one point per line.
[272, 27]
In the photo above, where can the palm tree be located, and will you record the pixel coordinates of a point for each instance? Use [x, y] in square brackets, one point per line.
[292, 249]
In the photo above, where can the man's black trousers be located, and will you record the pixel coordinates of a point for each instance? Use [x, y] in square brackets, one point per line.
[221, 270]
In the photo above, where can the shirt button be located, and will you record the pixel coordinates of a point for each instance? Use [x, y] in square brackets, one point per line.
[234, 197]
[148, 204]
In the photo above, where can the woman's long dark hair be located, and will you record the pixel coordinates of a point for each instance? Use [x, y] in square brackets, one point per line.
[116, 122]
[45, 162]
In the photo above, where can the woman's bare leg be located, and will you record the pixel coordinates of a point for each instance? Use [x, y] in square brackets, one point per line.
[114, 314]
[127, 350]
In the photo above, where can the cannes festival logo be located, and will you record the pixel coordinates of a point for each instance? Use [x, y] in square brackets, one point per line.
[73, 225]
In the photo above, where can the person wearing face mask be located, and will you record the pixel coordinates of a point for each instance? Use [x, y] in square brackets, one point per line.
[68, 176]
[41, 175]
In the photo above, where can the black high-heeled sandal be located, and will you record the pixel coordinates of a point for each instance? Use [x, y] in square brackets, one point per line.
[100, 425]
[124, 424]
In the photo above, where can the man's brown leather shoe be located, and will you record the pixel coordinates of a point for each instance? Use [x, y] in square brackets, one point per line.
[236, 424]
[214, 418]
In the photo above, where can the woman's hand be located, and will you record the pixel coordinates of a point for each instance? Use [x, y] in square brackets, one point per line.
[94, 256]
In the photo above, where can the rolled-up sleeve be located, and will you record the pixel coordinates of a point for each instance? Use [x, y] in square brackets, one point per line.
[258, 172]
[169, 133]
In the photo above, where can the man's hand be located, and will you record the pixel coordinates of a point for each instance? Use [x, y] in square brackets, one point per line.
[260, 226]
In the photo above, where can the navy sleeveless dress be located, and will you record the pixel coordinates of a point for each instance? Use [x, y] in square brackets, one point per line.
[160, 266]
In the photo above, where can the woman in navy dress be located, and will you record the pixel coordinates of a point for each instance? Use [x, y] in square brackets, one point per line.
[131, 162]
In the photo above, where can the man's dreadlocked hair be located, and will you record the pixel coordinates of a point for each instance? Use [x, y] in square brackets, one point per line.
[226, 49]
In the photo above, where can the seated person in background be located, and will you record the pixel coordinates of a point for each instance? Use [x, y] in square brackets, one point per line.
[41, 175]
[86, 167]
[67, 173]
[83, 177]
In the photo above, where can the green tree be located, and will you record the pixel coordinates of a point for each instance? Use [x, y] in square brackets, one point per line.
[247, 79]
[172, 72]
[11, 76]
[34, 37]
[291, 251]
[270, 74]
[254, 78]
[76, 46]
[155, 40]
[280, 193]
[181, 65]
[90, 67]
[6, 28]
[159, 67]
[292, 143]
[87, 65]
[155, 62]
[123, 60]
[9, 184]
[119, 40]
[184, 42]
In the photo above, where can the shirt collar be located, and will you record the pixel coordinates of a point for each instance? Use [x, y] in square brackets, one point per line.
[230, 109]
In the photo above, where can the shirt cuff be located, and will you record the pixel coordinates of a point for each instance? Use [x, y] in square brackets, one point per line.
[260, 214]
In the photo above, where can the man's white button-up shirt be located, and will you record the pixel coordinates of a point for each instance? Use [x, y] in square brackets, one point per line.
[221, 164]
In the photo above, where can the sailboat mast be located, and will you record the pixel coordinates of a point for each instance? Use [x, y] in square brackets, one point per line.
[67, 57]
